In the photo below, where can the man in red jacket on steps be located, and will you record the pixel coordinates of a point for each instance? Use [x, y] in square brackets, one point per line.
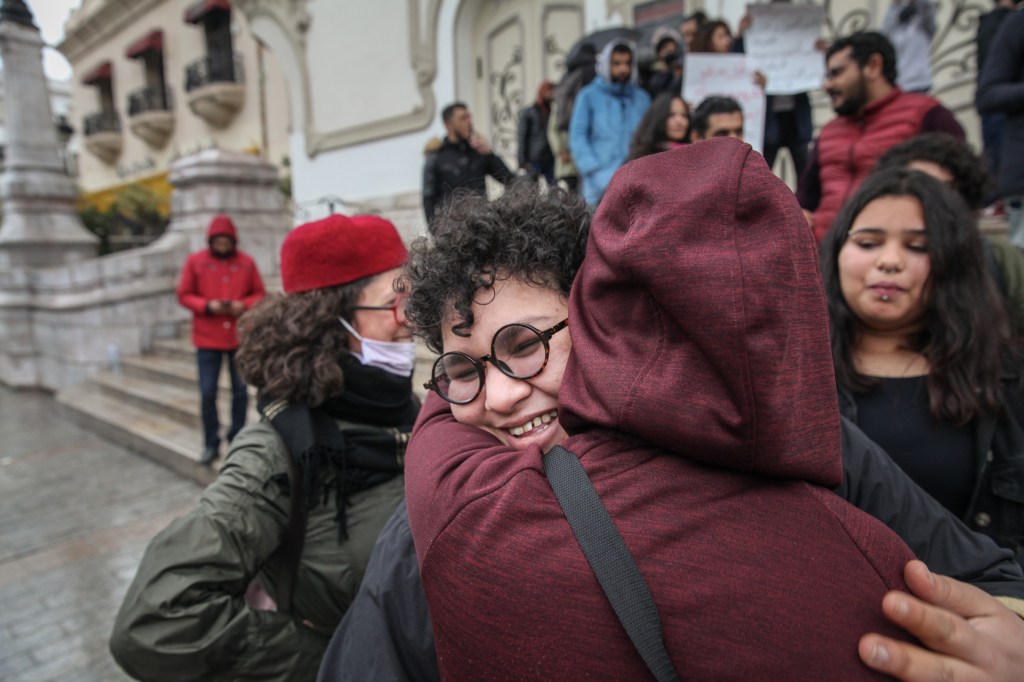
[218, 284]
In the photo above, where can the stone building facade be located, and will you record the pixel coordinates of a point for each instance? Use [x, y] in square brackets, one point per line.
[366, 88]
[363, 91]
[158, 80]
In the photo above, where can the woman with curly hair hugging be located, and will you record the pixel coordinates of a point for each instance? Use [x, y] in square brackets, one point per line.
[251, 584]
[491, 291]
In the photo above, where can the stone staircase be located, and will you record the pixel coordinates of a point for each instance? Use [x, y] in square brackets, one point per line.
[151, 405]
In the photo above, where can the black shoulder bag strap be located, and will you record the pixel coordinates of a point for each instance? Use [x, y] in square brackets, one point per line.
[609, 558]
[290, 549]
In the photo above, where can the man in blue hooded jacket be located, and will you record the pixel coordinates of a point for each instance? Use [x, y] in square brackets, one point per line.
[604, 117]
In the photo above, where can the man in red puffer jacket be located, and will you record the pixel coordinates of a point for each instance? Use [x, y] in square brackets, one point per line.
[218, 284]
[873, 116]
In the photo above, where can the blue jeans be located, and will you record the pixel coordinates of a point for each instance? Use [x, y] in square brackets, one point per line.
[209, 371]
[1015, 216]
[992, 137]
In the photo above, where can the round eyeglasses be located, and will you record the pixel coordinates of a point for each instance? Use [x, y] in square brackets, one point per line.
[518, 350]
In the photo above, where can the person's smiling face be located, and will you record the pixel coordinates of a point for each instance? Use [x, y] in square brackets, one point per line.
[518, 412]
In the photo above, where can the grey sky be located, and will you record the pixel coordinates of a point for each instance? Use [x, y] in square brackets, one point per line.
[50, 16]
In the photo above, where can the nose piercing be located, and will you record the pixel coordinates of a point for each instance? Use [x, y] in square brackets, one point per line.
[888, 269]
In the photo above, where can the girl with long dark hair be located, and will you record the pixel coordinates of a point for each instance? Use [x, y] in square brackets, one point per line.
[921, 348]
[666, 125]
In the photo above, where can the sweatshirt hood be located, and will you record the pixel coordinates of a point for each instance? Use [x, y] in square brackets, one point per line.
[221, 225]
[604, 63]
[699, 321]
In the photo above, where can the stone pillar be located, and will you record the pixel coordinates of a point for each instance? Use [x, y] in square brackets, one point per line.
[242, 186]
[41, 225]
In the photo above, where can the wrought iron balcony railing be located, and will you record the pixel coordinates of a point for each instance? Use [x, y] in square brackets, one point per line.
[216, 67]
[149, 98]
[102, 122]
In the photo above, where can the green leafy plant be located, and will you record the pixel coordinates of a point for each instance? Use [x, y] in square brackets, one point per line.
[134, 219]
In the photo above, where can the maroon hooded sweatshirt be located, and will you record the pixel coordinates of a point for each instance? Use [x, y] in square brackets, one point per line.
[699, 396]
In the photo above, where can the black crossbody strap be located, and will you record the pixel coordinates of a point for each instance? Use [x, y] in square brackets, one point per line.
[290, 549]
[609, 558]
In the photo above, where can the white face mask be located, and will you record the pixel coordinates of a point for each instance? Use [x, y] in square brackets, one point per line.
[394, 357]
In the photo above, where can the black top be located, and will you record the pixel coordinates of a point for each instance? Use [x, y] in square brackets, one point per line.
[939, 457]
[386, 633]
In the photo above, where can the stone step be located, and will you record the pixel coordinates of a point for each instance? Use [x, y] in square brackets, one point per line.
[152, 404]
[170, 371]
[161, 438]
[173, 401]
[994, 226]
[180, 348]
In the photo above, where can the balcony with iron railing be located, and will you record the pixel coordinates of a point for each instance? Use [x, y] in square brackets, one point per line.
[216, 67]
[101, 122]
[150, 98]
[151, 114]
[215, 85]
[102, 131]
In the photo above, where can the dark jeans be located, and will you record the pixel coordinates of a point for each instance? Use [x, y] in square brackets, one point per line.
[209, 371]
[789, 137]
[536, 169]
[992, 137]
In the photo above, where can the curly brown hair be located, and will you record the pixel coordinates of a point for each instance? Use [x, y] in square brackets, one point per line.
[293, 347]
[537, 237]
[970, 177]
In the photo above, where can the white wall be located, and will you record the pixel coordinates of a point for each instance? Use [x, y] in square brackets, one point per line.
[383, 167]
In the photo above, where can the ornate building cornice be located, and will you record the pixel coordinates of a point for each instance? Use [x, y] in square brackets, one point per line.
[85, 34]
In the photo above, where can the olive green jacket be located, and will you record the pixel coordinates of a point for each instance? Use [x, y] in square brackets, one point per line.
[1011, 270]
[185, 616]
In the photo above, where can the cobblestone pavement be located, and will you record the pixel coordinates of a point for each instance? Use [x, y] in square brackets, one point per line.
[76, 513]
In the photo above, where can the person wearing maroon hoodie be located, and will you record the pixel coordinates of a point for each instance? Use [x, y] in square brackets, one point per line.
[508, 587]
[218, 284]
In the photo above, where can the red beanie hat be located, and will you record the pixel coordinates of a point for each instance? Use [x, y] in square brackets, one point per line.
[338, 250]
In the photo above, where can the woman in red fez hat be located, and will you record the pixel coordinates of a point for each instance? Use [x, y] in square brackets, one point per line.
[252, 583]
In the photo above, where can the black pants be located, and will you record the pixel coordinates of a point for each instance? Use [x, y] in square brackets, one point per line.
[789, 137]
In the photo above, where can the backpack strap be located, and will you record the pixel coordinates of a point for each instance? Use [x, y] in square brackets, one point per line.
[610, 559]
[290, 549]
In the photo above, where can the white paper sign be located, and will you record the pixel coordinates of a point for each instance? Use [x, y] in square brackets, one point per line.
[728, 75]
[780, 44]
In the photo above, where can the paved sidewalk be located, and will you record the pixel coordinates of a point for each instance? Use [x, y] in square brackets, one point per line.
[76, 513]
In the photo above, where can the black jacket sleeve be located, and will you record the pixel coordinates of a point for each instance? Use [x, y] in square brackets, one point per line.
[430, 186]
[497, 169]
[876, 485]
[1001, 85]
[386, 633]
